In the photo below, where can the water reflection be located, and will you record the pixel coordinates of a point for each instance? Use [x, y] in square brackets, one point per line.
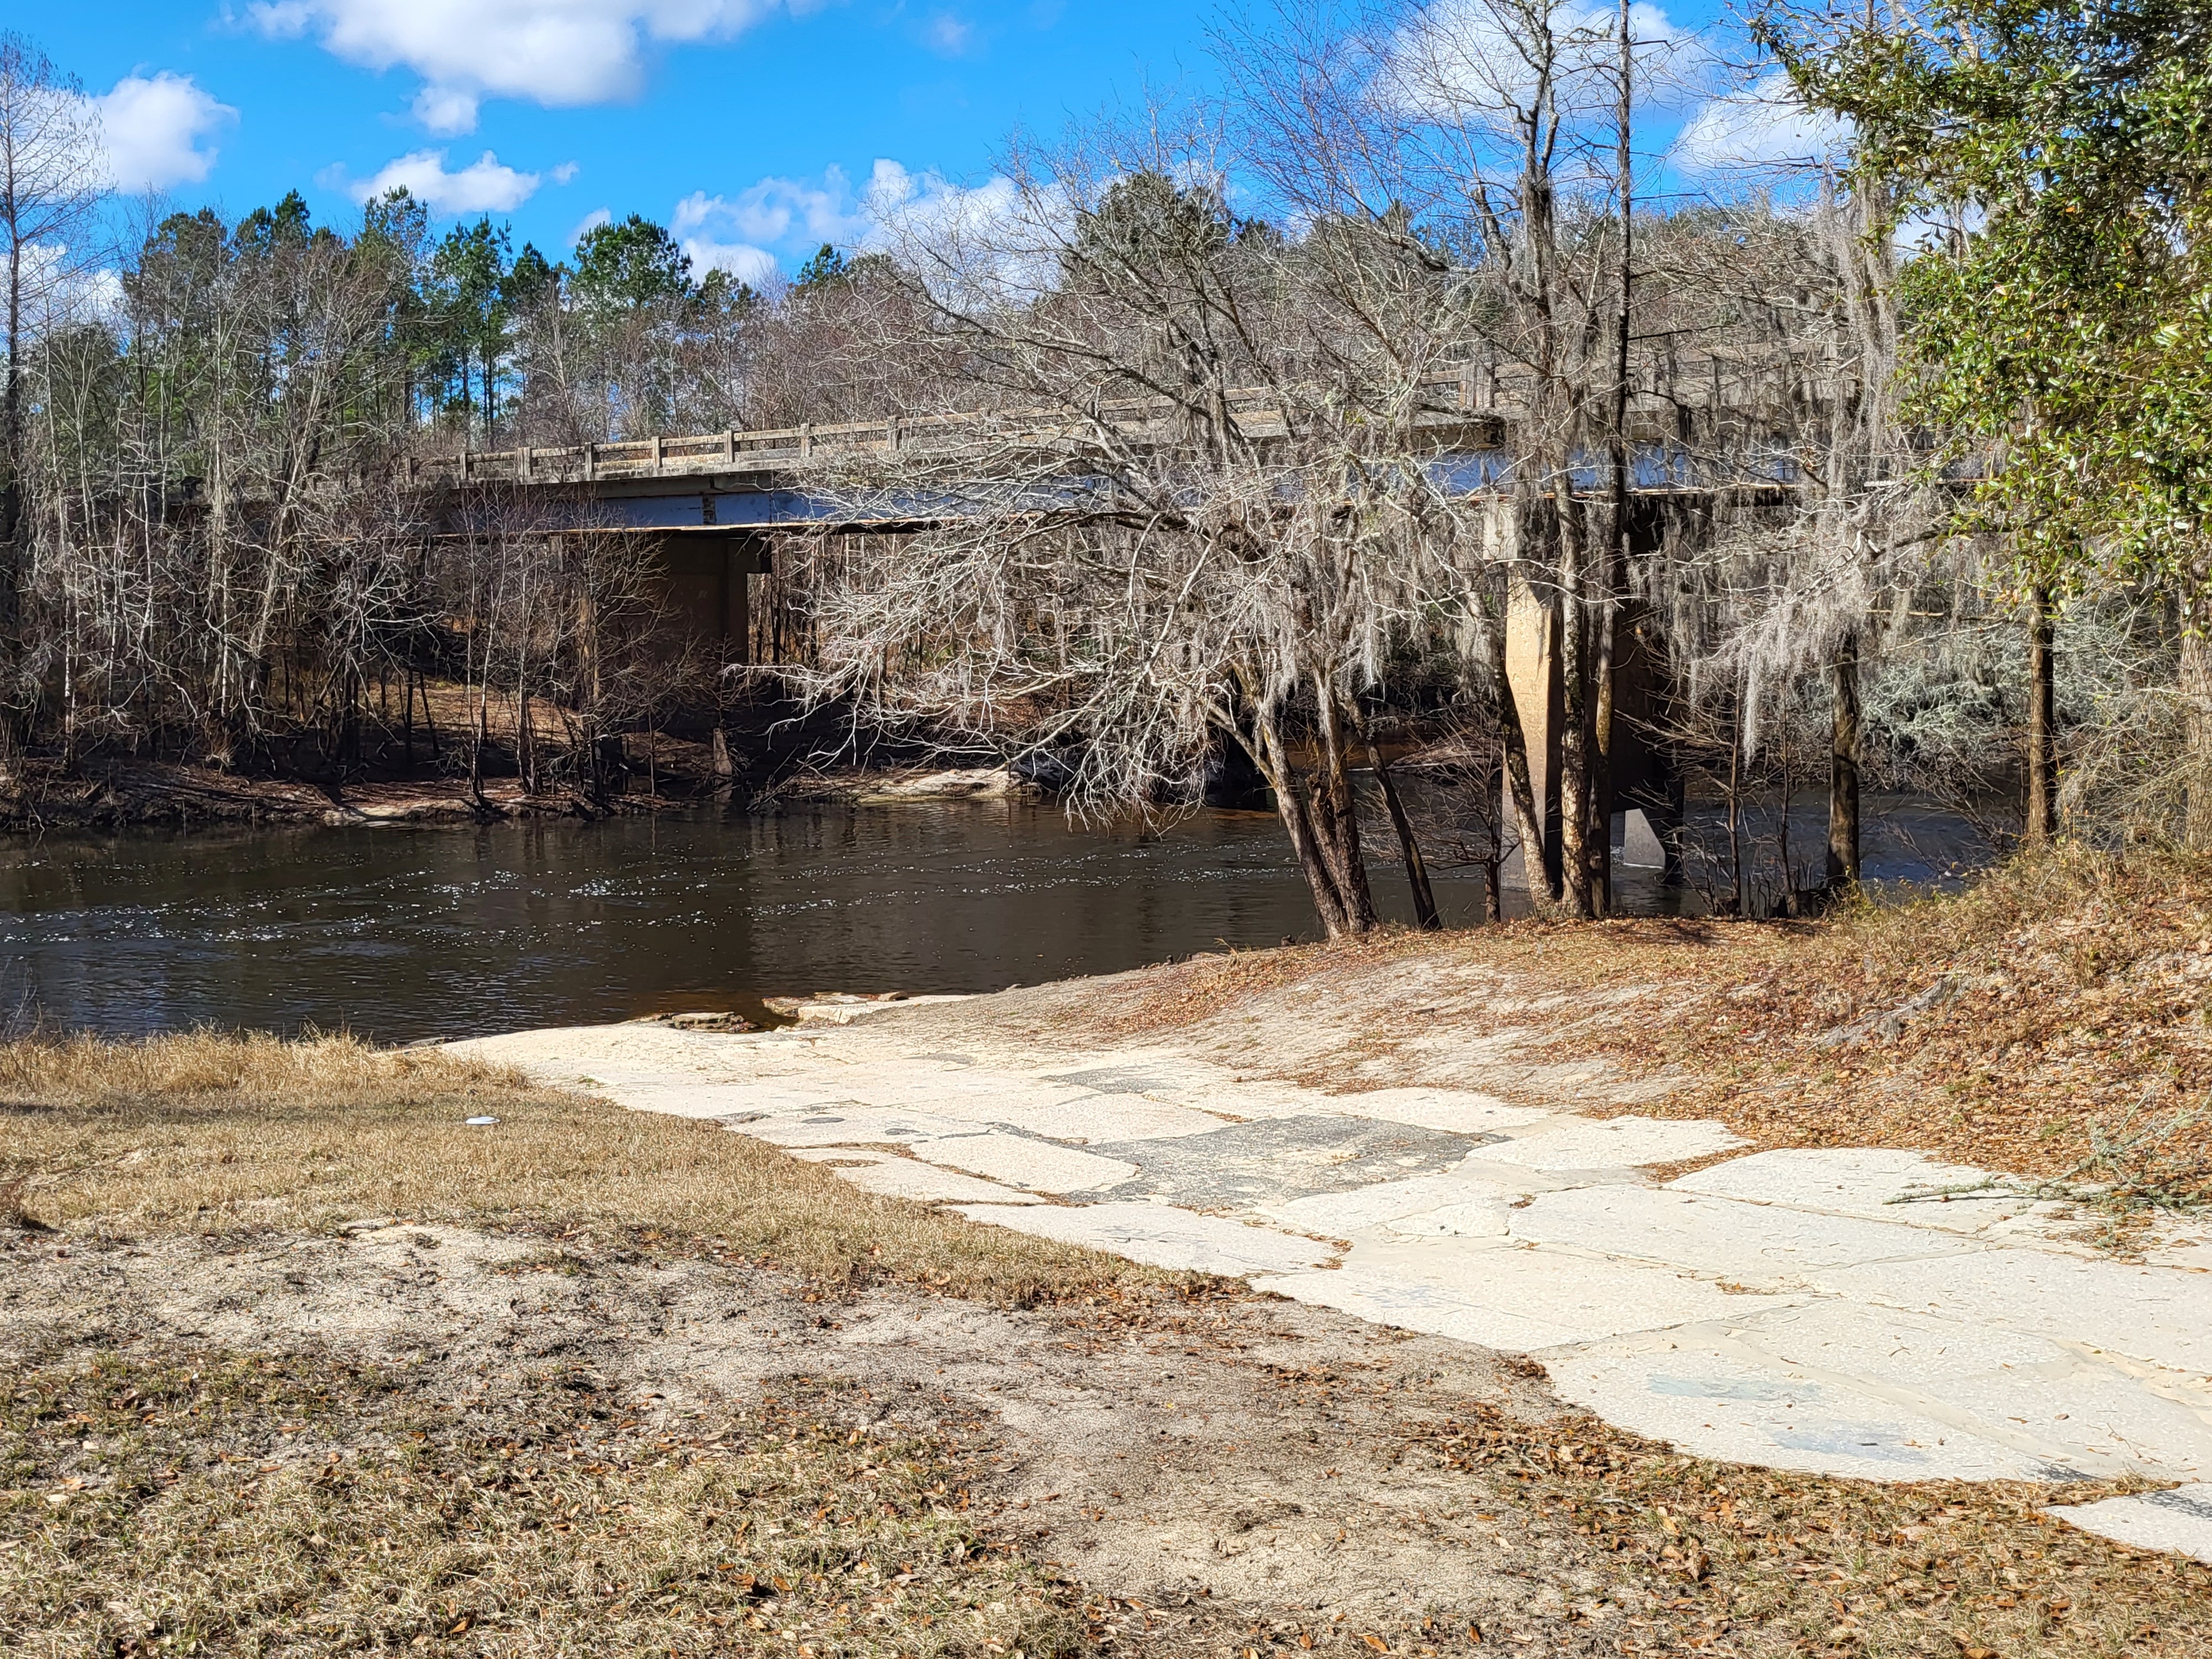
[404, 933]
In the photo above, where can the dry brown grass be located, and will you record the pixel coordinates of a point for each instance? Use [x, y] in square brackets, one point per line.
[2069, 992]
[303, 1505]
[1771, 1563]
[305, 1502]
[166, 1499]
[2072, 992]
[211, 1133]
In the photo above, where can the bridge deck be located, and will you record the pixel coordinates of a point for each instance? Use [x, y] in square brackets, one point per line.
[1471, 395]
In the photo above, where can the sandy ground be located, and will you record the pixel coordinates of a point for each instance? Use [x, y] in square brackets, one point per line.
[1215, 1466]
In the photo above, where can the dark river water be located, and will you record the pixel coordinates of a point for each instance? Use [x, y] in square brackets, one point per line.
[405, 933]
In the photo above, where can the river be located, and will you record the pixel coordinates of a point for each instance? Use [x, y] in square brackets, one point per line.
[402, 934]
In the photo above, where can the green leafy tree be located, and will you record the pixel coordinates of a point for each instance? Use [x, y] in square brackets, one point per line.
[531, 280]
[266, 230]
[470, 275]
[394, 240]
[631, 263]
[826, 266]
[722, 294]
[2061, 324]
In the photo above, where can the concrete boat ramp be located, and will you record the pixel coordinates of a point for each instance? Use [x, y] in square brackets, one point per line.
[1773, 1308]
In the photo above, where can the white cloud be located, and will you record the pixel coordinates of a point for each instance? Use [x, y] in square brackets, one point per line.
[446, 110]
[487, 185]
[749, 265]
[589, 223]
[991, 240]
[1760, 128]
[558, 52]
[63, 285]
[989, 230]
[777, 211]
[160, 132]
[895, 196]
[1462, 57]
[947, 35]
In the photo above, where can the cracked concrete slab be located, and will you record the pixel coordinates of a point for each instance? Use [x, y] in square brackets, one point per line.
[1449, 1110]
[1039, 1165]
[2157, 1316]
[2077, 1410]
[1349, 1211]
[1086, 1119]
[2179, 1520]
[1484, 1217]
[1775, 1306]
[1486, 1291]
[1718, 1236]
[1614, 1143]
[1249, 1164]
[1713, 1399]
[926, 1183]
[1162, 1235]
[1863, 1182]
[850, 1125]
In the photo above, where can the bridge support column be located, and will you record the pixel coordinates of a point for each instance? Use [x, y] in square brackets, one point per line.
[1643, 773]
[737, 565]
[1532, 666]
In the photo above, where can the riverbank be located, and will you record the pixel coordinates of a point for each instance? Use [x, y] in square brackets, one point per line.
[768, 752]
[146, 794]
[2051, 1021]
[306, 1362]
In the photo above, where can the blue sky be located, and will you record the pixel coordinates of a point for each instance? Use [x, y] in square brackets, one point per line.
[751, 125]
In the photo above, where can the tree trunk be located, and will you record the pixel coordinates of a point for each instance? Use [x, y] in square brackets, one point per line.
[14, 504]
[1735, 813]
[1601, 733]
[476, 752]
[1265, 746]
[526, 743]
[2040, 826]
[429, 721]
[1614, 567]
[1417, 869]
[1577, 773]
[2196, 715]
[1335, 816]
[1846, 732]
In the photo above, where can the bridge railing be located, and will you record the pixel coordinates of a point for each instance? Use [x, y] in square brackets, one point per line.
[1470, 392]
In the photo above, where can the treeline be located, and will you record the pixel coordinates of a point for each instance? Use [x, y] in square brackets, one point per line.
[1297, 413]
[1892, 472]
[209, 550]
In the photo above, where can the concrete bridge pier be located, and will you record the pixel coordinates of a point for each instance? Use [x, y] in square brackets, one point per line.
[1645, 778]
[706, 580]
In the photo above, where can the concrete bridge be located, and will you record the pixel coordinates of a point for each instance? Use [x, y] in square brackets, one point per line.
[717, 503]
[727, 496]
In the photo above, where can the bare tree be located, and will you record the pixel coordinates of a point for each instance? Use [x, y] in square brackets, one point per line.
[1198, 515]
[50, 184]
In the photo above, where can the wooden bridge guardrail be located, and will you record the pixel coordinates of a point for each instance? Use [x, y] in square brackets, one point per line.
[1473, 392]
[1447, 401]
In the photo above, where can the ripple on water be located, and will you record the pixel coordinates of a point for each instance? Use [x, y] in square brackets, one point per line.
[405, 933]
